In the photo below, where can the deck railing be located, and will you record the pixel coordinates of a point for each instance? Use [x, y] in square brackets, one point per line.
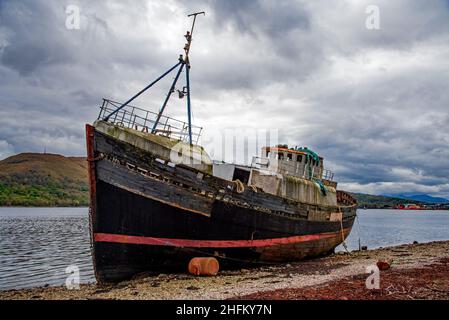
[143, 120]
[292, 168]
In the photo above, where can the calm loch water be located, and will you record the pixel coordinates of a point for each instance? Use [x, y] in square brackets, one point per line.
[38, 244]
[383, 228]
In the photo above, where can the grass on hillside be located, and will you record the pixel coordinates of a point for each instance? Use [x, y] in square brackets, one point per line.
[43, 180]
[34, 190]
[379, 202]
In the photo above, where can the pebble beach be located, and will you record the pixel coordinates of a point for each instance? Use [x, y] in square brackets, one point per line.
[417, 271]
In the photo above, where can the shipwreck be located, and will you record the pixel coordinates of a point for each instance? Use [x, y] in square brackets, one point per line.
[149, 213]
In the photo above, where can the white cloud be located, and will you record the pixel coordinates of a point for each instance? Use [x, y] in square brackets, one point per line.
[6, 149]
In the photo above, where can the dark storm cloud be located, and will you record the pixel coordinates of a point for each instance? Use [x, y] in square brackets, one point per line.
[261, 18]
[373, 103]
[280, 23]
[52, 79]
[254, 44]
[29, 45]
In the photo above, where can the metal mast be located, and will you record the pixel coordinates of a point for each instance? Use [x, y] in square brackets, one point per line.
[187, 50]
[183, 62]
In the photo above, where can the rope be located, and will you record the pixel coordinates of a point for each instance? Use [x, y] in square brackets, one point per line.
[358, 231]
[209, 254]
[321, 186]
[100, 157]
[253, 187]
[239, 186]
[343, 242]
[246, 261]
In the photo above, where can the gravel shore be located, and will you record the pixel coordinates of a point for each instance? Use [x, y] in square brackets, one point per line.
[339, 276]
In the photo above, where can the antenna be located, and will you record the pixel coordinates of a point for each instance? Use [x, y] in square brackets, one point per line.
[189, 35]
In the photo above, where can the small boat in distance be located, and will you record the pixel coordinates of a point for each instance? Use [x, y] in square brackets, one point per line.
[157, 199]
[410, 206]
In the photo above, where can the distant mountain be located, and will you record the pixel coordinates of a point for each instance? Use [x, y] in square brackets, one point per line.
[35, 179]
[379, 202]
[423, 198]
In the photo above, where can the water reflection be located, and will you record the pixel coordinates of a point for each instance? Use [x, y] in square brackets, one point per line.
[38, 244]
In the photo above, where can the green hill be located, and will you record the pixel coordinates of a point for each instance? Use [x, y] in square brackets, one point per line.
[32, 179]
[380, 202]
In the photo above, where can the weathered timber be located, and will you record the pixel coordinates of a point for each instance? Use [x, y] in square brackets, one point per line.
[155, 189]
[188, 176]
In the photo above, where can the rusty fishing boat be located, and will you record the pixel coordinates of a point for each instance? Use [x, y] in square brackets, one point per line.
[157, 200]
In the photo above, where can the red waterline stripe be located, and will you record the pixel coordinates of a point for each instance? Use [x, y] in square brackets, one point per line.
[151, 241]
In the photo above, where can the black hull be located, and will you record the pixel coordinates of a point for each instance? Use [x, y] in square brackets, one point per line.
[140, 223]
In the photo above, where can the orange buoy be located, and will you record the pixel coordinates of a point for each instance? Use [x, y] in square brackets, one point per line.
[383, 265]
[204, 266]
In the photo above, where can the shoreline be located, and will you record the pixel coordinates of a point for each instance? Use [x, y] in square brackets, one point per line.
[87, 207]
[428, 282]
[416, 265]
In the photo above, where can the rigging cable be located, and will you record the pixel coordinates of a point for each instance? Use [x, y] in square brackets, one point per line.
[358, 230]
[342, 234]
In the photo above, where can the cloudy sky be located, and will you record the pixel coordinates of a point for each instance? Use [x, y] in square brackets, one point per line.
[373, 102]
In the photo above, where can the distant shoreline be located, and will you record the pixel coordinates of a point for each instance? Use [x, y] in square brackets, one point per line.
[87, 206]
[34, 180]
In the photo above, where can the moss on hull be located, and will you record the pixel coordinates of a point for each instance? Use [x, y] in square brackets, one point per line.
[164, 147]
[307, 191]
[294, 188]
